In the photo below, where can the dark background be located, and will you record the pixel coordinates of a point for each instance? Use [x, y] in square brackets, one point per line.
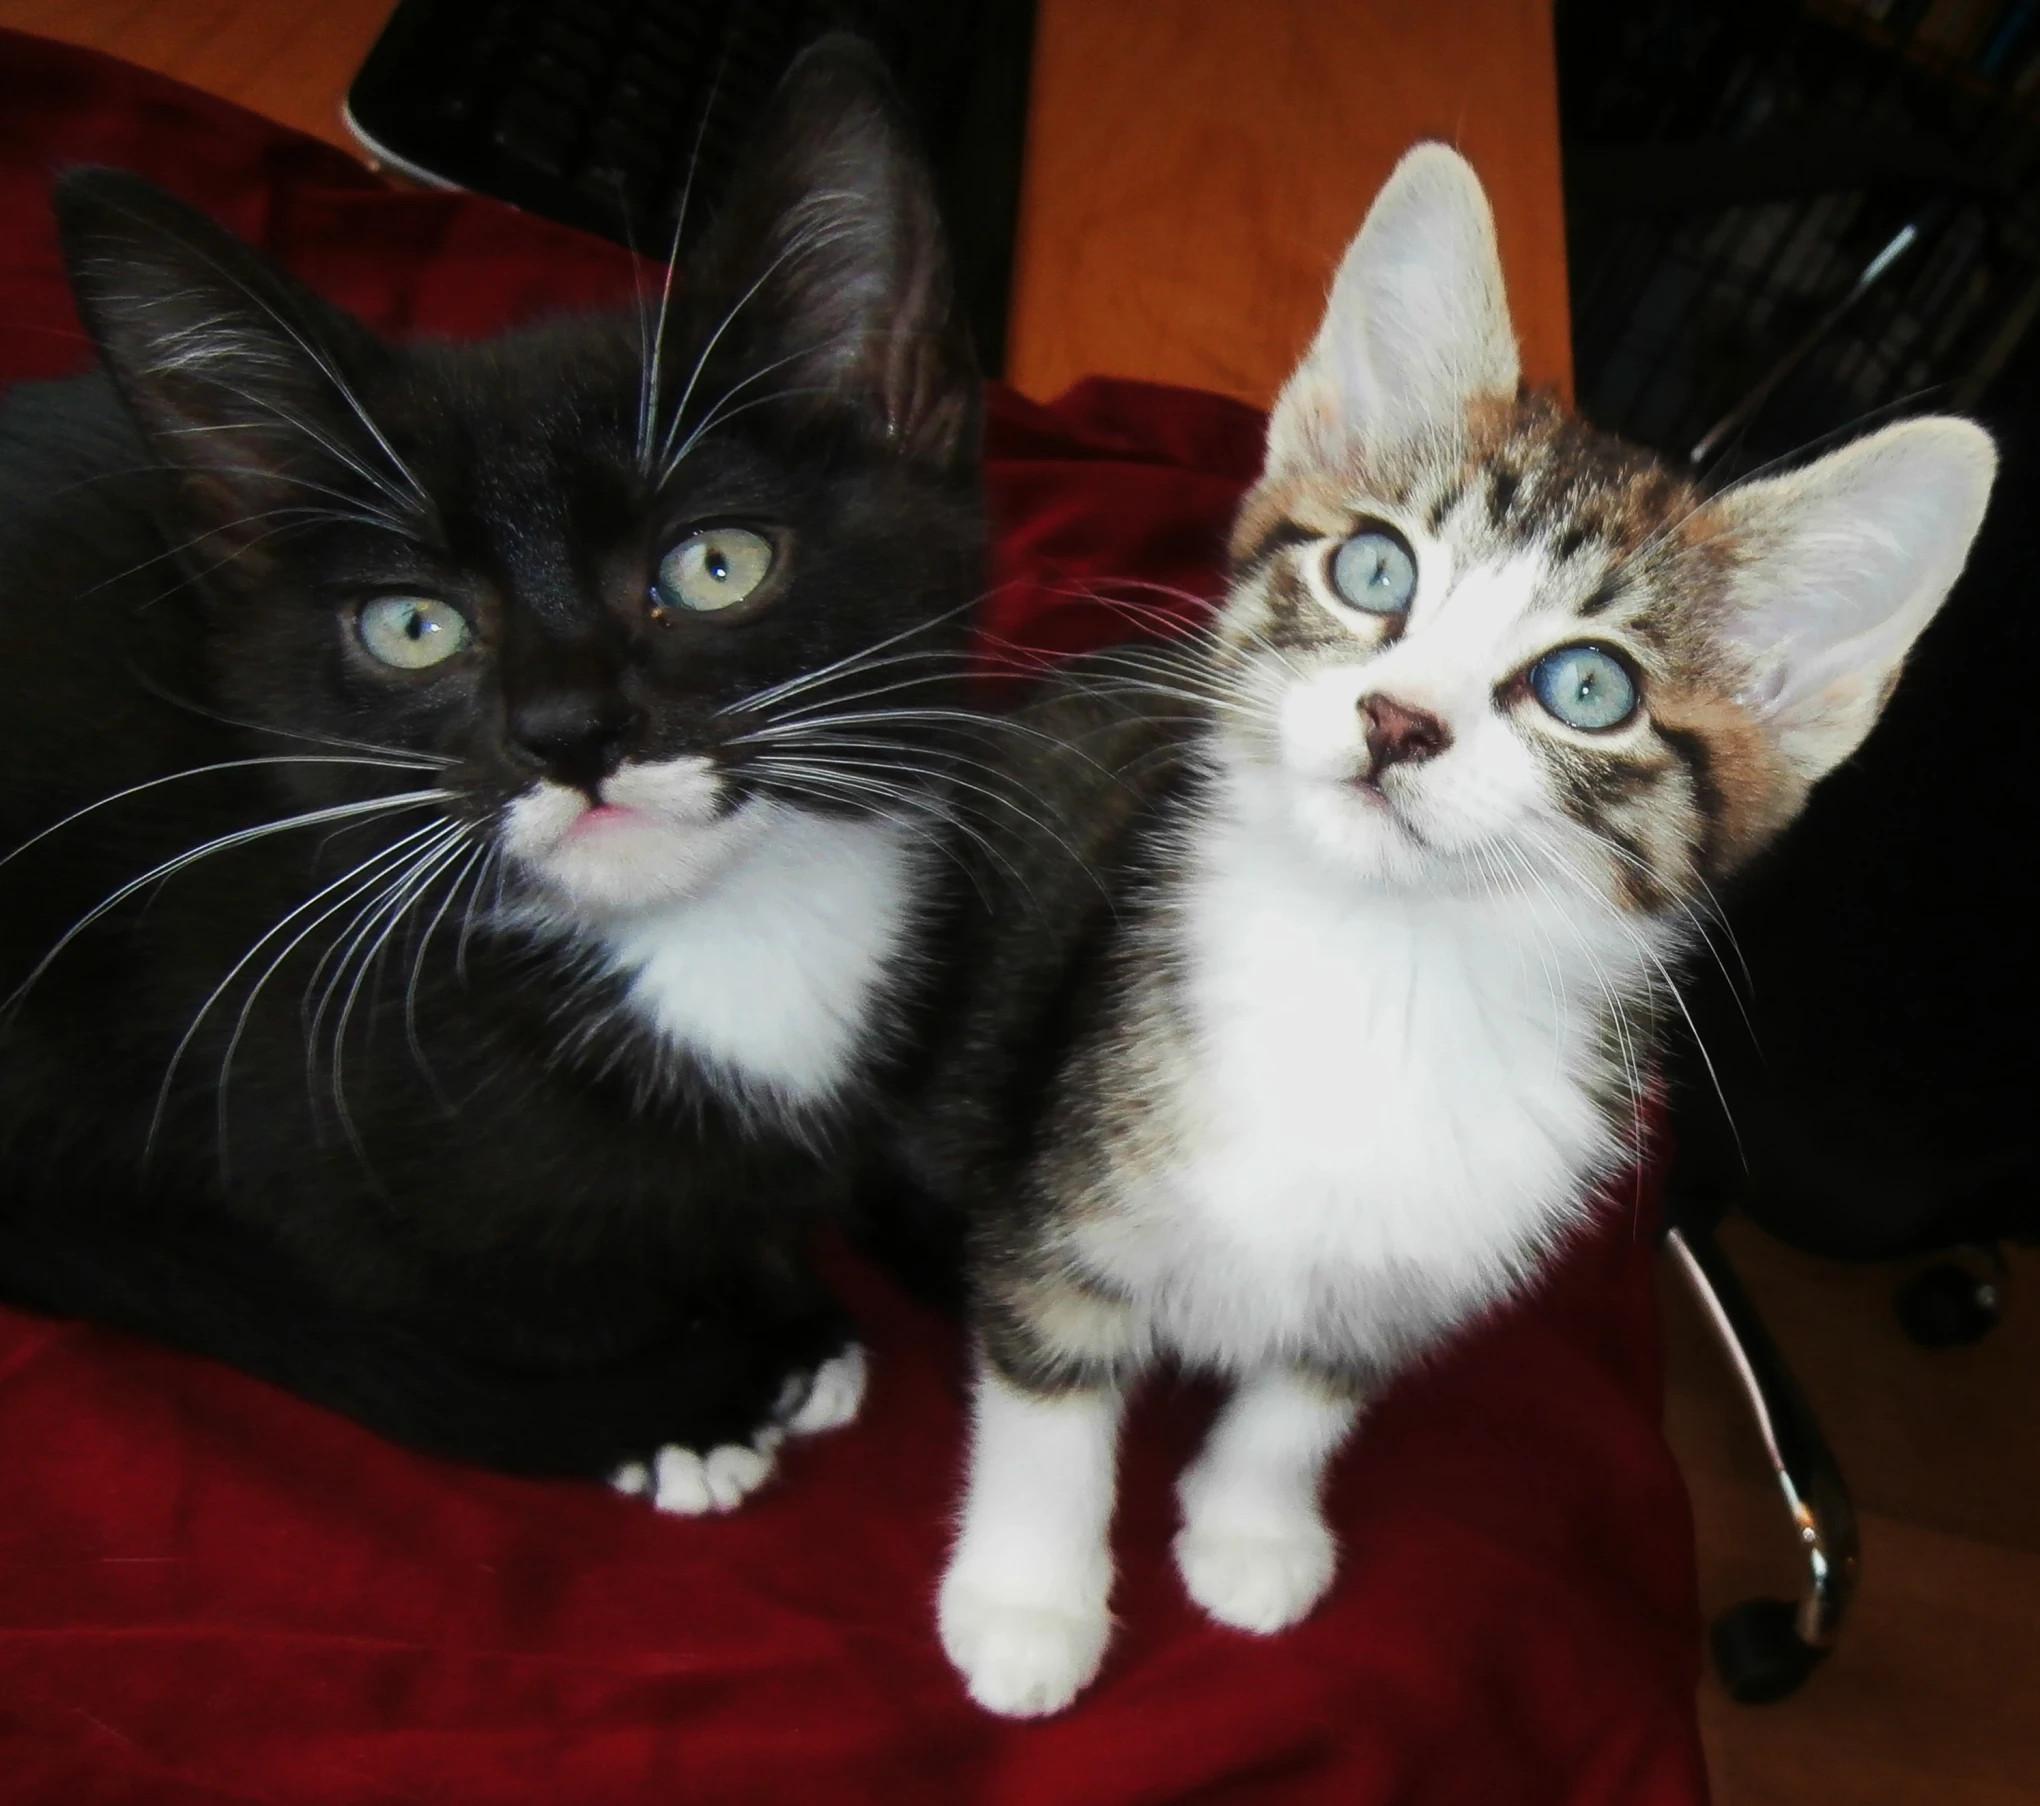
[1730, 171]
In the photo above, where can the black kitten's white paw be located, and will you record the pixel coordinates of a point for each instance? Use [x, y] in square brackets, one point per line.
[696, 1483]
[832, 1396]
[693, 1482]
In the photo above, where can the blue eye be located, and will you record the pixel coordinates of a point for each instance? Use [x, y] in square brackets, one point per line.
[1376, 571]
[1584, 687]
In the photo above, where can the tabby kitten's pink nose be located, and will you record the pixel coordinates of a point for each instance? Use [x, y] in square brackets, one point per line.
[1398, 735]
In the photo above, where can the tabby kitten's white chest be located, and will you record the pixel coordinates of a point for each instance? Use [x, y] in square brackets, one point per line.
[1387, 1106]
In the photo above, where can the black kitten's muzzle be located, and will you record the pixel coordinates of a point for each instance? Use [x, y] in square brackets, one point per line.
[565, 711]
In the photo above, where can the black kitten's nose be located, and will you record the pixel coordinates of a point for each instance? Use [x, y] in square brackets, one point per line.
[579, 735]
[1398, 735]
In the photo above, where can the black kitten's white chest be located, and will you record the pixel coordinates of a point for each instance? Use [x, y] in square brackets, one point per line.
[778, 977]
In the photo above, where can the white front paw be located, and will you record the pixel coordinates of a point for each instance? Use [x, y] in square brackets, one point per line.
[1022, 1660]
[1261, 1579]
[834, 1396]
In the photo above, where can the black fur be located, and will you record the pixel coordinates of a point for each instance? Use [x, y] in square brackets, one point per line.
[482, 1210]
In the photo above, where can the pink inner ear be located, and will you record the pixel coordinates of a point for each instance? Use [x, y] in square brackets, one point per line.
[1847, 562]
[1418, 324]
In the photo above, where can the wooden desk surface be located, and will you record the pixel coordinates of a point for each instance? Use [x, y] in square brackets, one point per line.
[1194, 167]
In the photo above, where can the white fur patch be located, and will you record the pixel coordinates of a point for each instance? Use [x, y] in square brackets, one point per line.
[691, 1483]
[1388, 1116]
[835, 1395]
[758, 942]
[1023, 1605]
[1254, 1550]
[774, 970]
[658, 839]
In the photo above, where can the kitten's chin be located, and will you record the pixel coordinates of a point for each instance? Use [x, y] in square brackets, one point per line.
[656, 838]
[1360, 833]
[619, 867]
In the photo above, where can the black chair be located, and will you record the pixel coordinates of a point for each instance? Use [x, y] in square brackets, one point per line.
[1785, 224]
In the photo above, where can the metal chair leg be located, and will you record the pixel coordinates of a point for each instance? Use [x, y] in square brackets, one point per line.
[1764, 1648]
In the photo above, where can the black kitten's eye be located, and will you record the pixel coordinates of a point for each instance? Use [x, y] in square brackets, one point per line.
[1585, 687]
[1375, 570]
[412, 632]
[712, 570]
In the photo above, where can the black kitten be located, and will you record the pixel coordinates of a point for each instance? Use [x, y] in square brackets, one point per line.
[471, 855]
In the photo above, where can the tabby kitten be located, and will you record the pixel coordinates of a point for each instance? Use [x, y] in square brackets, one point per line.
[471, 809]
[1349, 1014]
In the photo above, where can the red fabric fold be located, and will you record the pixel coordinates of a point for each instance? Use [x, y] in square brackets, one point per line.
[211, 1592]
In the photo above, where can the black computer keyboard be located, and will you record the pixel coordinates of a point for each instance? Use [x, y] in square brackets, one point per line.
[595, 112]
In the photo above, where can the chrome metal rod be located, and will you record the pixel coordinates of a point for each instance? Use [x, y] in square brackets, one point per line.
[1823, 1515]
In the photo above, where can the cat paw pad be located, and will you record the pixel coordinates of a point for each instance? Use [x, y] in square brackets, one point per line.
[1022, 1661]
[1264, 1580]
[834, 1395]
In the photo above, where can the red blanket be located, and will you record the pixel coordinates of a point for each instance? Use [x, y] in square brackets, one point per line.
[212, 1592]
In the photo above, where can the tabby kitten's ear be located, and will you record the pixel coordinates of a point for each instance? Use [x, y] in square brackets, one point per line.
[829, 260]
[1837, 567]
[1417, 326]
[240, 377]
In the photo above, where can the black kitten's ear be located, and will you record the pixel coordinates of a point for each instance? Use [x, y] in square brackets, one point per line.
[241, 378]
[830, 254]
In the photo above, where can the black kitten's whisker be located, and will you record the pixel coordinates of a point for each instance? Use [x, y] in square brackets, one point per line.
[195, 579]
[952, 782]
[400, 756]
[792, 726]
[476, 854]
[815, 706]
[672, 460]
[312, 353]
[361, 872]
[199, 771]
[760, 700]
[407, 892]
[301, 511]
[828, 784]
[820, 730]
[648, 412]
[708, 349]
[492, 862]
[722, 416]
[366, 879]
[169, 868]
[947, 668]
[335, 958]
[366, 512]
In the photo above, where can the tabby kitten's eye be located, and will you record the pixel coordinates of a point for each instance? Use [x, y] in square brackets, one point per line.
[712, 570]
[1584, 687]
[412, 632]
[1376, 571]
